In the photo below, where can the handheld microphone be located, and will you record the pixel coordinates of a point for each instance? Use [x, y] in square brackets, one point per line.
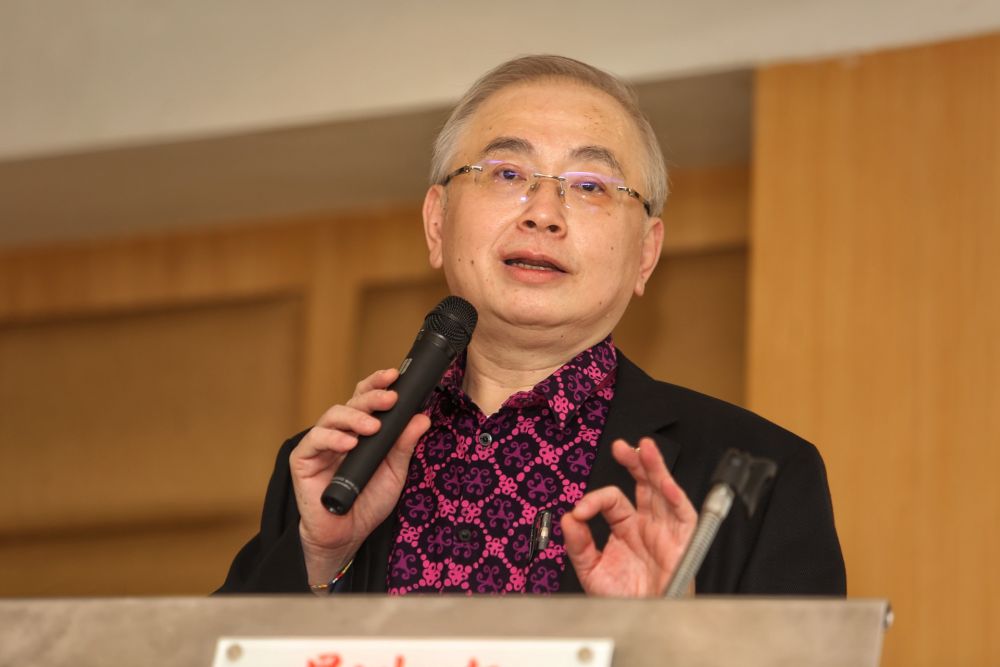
[446, 332]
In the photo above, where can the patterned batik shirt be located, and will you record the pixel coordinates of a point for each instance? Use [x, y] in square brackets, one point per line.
[477, 484]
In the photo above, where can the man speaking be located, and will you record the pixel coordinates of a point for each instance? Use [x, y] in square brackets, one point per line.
[545, 461]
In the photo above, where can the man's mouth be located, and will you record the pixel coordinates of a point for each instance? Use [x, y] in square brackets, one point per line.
[533, 264]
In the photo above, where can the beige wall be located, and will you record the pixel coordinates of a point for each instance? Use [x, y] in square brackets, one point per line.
[874, 329]
[99, 74]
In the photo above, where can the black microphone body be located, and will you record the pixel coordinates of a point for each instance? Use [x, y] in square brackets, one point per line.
[445, 334]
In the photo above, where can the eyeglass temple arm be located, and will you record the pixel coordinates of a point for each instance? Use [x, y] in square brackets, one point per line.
[642, 200]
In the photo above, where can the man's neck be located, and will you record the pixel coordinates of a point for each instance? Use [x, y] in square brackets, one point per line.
[497, 369]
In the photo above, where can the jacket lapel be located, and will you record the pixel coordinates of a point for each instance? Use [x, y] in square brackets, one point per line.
[639, 408]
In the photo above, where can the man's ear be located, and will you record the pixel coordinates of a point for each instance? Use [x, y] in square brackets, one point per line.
[649, 256]
[434, 205]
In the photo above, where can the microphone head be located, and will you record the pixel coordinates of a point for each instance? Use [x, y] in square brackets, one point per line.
[454, 319]
[745, 475]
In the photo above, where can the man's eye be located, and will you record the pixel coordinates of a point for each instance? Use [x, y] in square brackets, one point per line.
[591, 186]
[507, 173]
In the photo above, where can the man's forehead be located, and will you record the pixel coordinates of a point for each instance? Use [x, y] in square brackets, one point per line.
[570, 126]
[521, 147]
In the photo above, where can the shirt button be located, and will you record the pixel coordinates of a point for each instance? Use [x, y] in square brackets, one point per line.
[485, 439]
[464, 535]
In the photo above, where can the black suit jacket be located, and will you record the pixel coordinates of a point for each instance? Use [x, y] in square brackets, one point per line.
[789, 546]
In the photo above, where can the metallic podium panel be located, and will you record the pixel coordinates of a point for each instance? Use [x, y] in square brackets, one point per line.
[697, 632]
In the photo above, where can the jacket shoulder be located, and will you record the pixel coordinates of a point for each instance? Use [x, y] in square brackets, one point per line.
[696, 418]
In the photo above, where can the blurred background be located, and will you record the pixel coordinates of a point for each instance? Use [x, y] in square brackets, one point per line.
[210, 229]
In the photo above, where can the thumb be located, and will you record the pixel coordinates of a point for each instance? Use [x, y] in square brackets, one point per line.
[579, 544]
[398, 458]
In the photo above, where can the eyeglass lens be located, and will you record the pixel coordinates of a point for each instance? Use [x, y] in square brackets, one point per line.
[578, 189]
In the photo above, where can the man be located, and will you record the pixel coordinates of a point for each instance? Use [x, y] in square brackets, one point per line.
[543, 212]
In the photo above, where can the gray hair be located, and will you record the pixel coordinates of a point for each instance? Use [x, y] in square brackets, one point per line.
[533, 68]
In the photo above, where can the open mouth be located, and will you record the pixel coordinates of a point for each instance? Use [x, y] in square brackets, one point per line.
[533, 264]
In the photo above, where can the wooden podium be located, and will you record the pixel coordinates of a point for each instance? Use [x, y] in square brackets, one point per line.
[702, 631]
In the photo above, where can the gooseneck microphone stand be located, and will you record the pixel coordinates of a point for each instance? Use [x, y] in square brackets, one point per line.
[737, 474]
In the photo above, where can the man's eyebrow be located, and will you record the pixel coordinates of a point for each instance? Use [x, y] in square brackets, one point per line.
[508, 145]
[589, 153]
[601, 154]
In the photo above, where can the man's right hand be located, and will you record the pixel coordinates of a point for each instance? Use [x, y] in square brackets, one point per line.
[329, 540]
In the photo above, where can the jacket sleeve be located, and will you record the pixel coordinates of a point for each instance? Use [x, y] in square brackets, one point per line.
[272, 561]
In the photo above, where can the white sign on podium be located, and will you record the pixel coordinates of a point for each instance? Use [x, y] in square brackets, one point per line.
[400, 652]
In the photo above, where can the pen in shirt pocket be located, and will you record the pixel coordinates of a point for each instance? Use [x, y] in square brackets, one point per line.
[541, 533]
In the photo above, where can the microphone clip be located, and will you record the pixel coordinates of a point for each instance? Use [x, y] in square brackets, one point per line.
[746, 475]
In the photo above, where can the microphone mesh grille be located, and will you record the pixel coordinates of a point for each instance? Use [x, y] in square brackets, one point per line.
[455, 319]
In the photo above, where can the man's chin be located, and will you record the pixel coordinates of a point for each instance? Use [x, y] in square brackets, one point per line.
[543, 317]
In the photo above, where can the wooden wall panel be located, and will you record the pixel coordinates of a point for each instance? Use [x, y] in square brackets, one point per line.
[154, 271]
[112, 416]
[183, 557]
[708, 209]
[121, 361]
[875, 321]
[124, 430]
[690, 326]
[389, 318]
[145, 385]
[349, 255]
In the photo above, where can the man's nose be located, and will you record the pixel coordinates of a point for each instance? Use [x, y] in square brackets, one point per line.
[546, 206]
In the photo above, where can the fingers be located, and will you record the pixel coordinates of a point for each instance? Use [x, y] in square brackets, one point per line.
[678, 501]
[658, 496]
[621, 515]
[608, 501]
[646, 540]
[340, 416]
[374, 400]
[668, 498]
[630, 457]
[382, 492]
[579, 544]
[355, 418]
[337, 433]
[337, 430]
[377, 380]
[324, 440]
[644, 461]
[656, 489]
[349, 418]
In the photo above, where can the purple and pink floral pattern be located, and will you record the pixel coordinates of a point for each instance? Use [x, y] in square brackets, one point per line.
[476, 482]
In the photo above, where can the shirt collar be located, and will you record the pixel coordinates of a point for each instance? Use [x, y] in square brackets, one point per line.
[564, 391]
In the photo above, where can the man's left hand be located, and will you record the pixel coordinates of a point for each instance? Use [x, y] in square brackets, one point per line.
[647, 540]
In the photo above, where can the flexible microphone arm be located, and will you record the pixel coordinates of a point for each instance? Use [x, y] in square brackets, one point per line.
[737, 474]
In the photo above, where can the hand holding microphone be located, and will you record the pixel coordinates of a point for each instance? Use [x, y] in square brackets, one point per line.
[446, 331]
[368, 443]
